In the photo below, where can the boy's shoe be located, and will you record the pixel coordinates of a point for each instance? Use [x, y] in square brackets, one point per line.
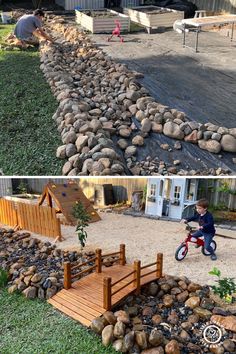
[213, 257]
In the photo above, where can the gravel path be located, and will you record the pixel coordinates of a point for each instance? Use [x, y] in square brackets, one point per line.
[145, 237]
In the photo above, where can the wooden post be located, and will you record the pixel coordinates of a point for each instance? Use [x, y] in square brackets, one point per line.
[159, 265]
[67, 275]
[107, 293]
[122, 254]
[58, 228]
[98, 260]
[137, 275]
[49, 199]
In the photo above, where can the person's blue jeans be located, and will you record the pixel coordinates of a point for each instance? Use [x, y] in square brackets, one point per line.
[207, 240]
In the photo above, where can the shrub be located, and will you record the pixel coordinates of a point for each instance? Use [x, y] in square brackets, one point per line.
[225, 288]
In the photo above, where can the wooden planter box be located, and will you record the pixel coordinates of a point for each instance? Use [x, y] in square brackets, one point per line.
[153, 17]
[102, 21]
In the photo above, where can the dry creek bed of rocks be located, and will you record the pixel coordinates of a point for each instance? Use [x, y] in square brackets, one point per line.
[100, 103]
[167, 317]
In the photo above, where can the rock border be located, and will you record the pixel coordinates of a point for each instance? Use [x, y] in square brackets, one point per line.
[167, 317]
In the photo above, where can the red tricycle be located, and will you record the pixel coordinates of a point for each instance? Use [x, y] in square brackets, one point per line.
[182, 250]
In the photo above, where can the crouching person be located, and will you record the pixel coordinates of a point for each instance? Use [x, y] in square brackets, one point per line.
[28, 29]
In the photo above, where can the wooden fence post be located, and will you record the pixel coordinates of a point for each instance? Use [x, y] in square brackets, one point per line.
[122, 254]
[98, 260]
[67, 275]
[159, 265]
[137, 275]
[107, 293]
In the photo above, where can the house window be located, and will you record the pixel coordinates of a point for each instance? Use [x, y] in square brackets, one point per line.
[177, 192]
[190, 190]
[153, 190]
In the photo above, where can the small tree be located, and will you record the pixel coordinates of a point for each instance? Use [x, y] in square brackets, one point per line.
[83, 217]
[22, 188]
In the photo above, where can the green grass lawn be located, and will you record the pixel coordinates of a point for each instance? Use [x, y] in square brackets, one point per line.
[34, 327]
[29, 136]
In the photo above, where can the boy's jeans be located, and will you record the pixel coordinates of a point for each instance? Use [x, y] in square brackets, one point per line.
[207, 240]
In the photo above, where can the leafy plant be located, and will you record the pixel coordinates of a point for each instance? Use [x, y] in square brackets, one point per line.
[22, 188]
[3, 278]
[220, 206]
[226, 286]
[144, 195]
[225, 188]
[83, 217]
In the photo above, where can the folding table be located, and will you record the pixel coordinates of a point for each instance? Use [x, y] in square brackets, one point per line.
[198, 23]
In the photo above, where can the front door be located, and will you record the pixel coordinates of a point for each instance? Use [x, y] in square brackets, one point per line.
[177, 198]
[155, 196]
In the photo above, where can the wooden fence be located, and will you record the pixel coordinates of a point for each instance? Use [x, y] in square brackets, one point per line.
[209, 188]
[216, 5]
[122, 187]
[39, 219]
[8, 213]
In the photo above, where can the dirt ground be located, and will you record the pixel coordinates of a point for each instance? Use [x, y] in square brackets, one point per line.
[144, 238]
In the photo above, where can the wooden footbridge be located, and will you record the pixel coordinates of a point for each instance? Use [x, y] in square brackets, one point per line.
[104, 286]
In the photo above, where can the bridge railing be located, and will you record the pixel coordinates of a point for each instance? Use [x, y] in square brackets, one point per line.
[158, 267]
[71, 273]
[137, 274]
[120, 257]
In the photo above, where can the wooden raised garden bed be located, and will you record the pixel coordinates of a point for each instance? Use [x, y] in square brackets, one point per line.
[102, 21]
[153, 17]
[24, 198]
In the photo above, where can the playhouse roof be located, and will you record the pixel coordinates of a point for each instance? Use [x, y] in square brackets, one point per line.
[65, 196]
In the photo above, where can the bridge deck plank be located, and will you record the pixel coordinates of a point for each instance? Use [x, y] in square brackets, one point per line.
[84, 300]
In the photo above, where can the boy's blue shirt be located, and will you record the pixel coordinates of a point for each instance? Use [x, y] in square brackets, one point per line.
[206, 221]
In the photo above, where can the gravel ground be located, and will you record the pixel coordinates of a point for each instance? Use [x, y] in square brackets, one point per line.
[145, 237]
